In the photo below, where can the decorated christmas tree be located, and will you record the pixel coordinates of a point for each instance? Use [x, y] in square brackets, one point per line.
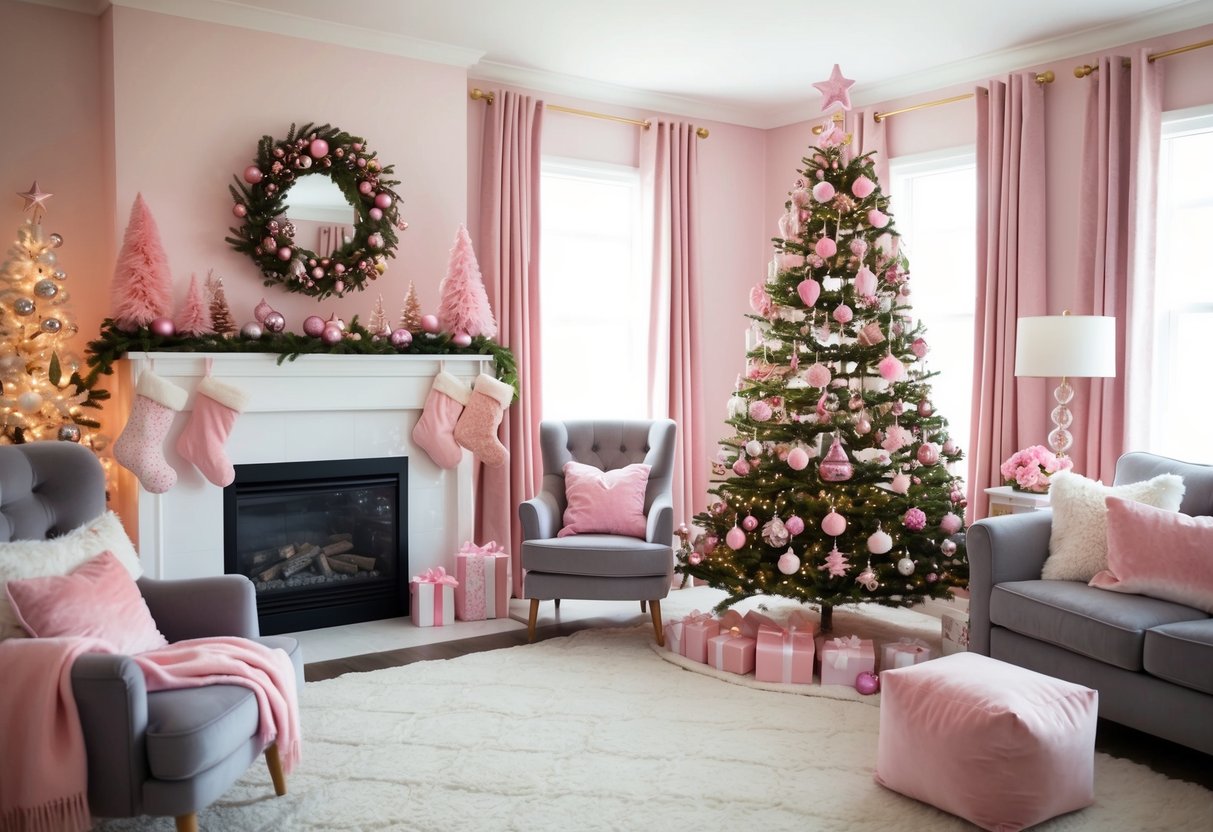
[834, 485]
[44, 395]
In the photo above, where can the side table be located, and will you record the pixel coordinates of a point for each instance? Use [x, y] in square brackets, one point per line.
[1006, 500]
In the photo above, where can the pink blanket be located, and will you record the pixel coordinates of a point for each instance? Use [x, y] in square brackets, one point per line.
[41, 742]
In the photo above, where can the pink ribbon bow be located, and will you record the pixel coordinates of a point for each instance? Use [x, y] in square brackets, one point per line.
[490, 549]
[847, 646]
[697, 617]
[435, 575]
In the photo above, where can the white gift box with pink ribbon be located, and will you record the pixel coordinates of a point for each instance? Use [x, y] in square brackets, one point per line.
[433, 601]
[844, 658]
[484, 582]
[903, 653]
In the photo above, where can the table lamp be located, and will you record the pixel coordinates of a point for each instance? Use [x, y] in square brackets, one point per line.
[1065, 346]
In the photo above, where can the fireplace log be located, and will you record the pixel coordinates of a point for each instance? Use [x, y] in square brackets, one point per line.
[340, 536]
[323, 562]
[286, 551]
[338, 548]
[271, 573]
[302, 558]
[361, 561]
[262, 556]
[341, 566]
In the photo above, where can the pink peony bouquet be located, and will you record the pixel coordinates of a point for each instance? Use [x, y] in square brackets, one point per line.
[1030, 469]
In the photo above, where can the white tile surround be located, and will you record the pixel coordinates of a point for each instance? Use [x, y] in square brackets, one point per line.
[317, 407]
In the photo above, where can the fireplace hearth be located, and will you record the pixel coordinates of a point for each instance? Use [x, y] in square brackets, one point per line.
[324, 543]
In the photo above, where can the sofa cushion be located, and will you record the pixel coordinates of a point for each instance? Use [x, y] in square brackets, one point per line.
[600, 555]
[1182, 653]
[1105, 626]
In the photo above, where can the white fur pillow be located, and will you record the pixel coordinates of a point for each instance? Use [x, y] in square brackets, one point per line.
[59, 556]
[1078, 544]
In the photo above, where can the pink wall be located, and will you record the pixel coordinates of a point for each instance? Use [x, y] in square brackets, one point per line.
[188, 114]
[731, 246]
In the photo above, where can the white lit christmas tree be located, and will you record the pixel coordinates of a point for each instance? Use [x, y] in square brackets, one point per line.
[834, 487]
[46, 394]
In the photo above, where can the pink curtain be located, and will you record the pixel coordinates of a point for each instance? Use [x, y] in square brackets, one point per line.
[867, 136]
[1008, 413]
[509, 262]
[1117, 222]
[668, 166]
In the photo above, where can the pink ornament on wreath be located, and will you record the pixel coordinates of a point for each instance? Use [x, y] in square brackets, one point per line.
[239, 210]
[809, 290]
[833, 523]
[366, 187]
[915, 520]
[285, 253]
[383, 201]
[313, 325]
[825, 247]
[823, 192]
[375, 214]
[318, 148]
[950, 523]
[891, 369]
[253, 174]
[877, 218]
[862, 187]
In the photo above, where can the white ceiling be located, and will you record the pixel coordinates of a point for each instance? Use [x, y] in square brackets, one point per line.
[744, 62]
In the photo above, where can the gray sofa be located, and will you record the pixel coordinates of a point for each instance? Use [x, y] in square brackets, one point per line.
[1150, 660]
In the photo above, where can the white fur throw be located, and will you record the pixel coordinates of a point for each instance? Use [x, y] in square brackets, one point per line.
[1078, 544]
[59, 556]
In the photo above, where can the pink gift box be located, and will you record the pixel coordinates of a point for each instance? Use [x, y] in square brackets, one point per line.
[673, 637]
[784, 656]
[732, 653]
[842, 659]
[484, 582]
[697, 628]
[433, 598]
[904, 653]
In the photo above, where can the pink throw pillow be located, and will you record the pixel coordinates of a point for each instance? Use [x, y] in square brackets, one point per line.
[98, 599]
[1158, 553]
[605, 502]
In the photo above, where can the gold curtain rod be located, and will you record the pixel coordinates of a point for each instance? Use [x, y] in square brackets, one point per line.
[1046, 77]
[1086, 69]
[487, 98]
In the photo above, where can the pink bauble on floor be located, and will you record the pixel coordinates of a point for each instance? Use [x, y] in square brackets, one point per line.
[313, 325]
[867, 683]
[163, 327]
[429, 323]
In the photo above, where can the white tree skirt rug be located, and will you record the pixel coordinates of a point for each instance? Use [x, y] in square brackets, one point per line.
[596, 732]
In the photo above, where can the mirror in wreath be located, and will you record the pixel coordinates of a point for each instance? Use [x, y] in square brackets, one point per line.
[270, 235]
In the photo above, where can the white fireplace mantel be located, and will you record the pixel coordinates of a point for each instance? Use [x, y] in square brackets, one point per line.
[317, 407]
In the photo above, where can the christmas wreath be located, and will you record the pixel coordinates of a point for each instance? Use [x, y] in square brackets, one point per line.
[268, 236]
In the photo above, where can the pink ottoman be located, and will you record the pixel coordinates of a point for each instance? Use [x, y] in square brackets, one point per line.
[998, 745]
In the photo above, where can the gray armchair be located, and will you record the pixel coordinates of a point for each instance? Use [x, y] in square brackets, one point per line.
[600, 567]
[167, 753]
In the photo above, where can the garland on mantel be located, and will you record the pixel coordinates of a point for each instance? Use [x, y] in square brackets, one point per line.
[114, 343]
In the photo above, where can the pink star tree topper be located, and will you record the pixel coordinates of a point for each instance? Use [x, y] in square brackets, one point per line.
[835, 90]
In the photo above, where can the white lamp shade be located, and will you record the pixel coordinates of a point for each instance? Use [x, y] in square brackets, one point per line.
[1077, 346]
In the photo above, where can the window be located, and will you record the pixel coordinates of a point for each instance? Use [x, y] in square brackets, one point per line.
[1182, 396]
[594, 297]
[934, 199]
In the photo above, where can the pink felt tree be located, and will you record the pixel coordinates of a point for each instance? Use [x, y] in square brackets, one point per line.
[142, 287]
[194, 319]
[465, 306]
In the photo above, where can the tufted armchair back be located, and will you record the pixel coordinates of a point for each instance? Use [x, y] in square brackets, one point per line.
[48, 489]
[608, 445]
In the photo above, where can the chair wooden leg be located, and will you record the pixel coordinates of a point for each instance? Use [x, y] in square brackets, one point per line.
[644, 607]
[275, 765]
[530, 624]
[187, 823]
[557, 603]
[655, 604]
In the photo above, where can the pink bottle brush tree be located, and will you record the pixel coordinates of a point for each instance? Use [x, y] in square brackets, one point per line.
[194, 319]
[464, 306]
[142, 287]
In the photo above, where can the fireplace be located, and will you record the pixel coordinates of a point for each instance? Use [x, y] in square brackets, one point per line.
[324, 543]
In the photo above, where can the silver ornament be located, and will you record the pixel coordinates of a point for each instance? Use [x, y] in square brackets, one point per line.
[59, 274]
[45, 289]
[56, 241]
[251, 330]
[905, 566]
[51, 326]
[753, 447]
[23, 307]
[948, 548]
[69, 433]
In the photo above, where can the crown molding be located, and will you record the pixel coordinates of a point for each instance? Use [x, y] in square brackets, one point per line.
[91, 7]
[1174, 18]
[599, 91]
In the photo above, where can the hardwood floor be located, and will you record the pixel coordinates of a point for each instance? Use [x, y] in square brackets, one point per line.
[1167, 758]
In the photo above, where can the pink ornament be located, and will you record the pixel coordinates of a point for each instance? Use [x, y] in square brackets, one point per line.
[462, 339]
[823, 192]
[901, 483]
[809, 290]
[879, 542]
[317, 273]
[331, 334]
[865, 282]
[789, 564]
[383, 201]
[869, 334]
[339, 268]
[896, 438]
[915, 520]
[950, 523]
[429, 323]
[318, 148]
[835, 467]
[760, 411]
[949, 447]
[947, 548]
[163, 327]
[274, 322]
[375, 214]
[794, 525]
[877, 218]
[239, 210]
[695, 558]
[710, 542]
[339, 285]
[252, 330]
[825, 247]
[863, 187]
[401, 338]
[285, 253]
[919, 348]
[375, 240]
[798, 459]
[253, 174]
[925, 408]
[891, 369]
[842, 313]
[366, 187]
[833, 523]
[749, 523]
[261, 310]
[818, 375]
[859, 246]
[867, 580]
[867, 683]
[956, 496]
[269, 244]
[735, 539]
[800, 197]
[335, 321]
[313, 325]
[741, 467]
[928, 453]
[863, 425]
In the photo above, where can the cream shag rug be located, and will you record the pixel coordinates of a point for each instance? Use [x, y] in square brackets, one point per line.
[597, 732]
